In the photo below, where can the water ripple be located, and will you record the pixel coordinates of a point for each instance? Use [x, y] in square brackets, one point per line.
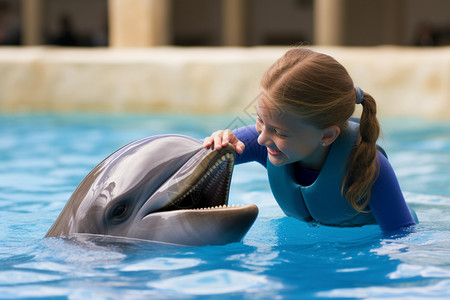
[438, 290]
[163, 263]
[215, 282]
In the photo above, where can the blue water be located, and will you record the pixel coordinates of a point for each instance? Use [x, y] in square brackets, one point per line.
[44, 157]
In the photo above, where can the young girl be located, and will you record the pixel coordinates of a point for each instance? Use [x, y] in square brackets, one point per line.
[323, 165]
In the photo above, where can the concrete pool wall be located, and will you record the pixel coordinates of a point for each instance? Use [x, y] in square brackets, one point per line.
[404, 81]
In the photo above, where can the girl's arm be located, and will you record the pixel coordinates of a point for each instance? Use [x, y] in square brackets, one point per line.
[244, 140]
[387, 202]
[253, 151]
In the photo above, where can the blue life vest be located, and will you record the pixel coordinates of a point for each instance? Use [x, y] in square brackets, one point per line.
[321, 201]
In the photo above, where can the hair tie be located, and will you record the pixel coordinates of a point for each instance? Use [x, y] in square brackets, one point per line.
[359, 95]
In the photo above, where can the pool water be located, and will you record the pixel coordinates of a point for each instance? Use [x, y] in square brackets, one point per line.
[43, 157]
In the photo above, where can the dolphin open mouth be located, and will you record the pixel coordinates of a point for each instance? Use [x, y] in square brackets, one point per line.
[207, 188]
[192, 208]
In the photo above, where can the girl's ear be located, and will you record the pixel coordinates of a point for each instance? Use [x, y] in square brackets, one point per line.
[330, 134]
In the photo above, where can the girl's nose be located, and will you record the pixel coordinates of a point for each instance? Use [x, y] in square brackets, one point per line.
[263, 139]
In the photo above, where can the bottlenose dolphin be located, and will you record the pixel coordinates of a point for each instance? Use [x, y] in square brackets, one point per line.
[165, 188]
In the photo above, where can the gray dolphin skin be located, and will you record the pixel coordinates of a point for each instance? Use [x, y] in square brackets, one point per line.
[165, 188]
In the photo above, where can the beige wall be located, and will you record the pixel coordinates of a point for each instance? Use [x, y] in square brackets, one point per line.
[404, 81]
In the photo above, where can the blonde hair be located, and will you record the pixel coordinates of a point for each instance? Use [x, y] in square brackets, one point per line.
[318, 89]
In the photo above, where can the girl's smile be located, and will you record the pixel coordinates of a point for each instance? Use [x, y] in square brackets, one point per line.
[288, 139]
[274, 152]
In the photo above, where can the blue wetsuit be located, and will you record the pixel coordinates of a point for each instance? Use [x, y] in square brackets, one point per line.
[387, 203]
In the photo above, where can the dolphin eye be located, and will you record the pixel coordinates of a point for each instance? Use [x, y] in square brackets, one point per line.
[119, 212]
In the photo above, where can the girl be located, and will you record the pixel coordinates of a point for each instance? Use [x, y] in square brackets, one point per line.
[323, 166]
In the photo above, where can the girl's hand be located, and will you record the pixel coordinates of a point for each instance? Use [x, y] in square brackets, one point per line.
[222, 138]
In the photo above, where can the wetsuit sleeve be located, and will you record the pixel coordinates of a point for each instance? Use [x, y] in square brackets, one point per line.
[387, 202]
[253, 151]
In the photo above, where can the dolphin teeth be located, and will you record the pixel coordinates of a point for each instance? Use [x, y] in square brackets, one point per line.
[218, 207]
[210, 177]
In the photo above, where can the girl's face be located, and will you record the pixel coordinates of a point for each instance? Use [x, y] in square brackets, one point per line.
[288, 139]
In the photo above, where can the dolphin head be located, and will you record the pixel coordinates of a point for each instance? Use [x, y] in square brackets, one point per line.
[165, 188]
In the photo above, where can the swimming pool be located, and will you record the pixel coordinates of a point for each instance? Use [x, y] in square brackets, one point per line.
[43, 157]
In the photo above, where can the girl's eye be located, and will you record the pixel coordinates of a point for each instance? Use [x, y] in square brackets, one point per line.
[280, 134]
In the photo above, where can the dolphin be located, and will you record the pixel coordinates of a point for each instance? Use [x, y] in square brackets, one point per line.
[164, 188]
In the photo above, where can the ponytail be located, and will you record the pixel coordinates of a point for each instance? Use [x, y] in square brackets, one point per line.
[363, 164]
